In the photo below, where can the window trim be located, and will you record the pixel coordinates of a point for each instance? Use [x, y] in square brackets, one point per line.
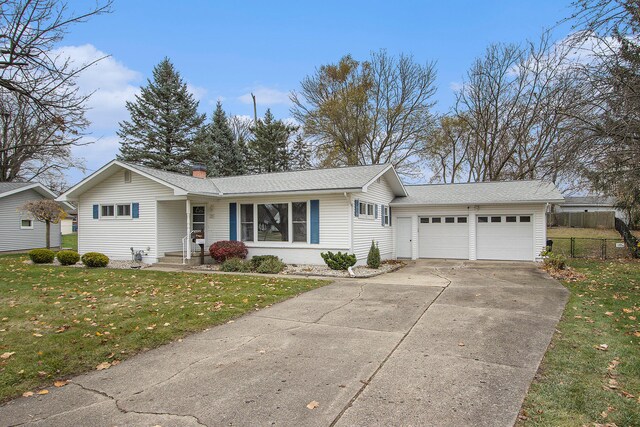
[27, 227]
[115, 211]
[307, 222]
[252, 222]
[385, 215]
[289, 240]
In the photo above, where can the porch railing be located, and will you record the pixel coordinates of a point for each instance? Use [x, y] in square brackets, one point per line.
[186, 250]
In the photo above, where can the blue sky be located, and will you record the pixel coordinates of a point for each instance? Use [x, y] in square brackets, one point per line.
[225, 50]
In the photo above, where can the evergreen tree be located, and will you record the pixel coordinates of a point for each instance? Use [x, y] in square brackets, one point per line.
[217, 148]
[269, 150]
[164, 123]
[299, 155]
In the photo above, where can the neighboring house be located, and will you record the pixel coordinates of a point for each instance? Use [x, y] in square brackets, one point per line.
[69, 224]
[590, 204]
[297, 215]
[18, 231]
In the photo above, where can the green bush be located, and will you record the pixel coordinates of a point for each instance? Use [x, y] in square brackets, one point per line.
[68, 257]
[257, 260]
[339, 260]
[42, 256]
[270, 265]
[95, 259]
[554, 260]
[235, 265]
[373, 259]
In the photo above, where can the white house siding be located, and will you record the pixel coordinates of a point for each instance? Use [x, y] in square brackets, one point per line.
[12, 237]
[366, 229]
[414, 212]
[334, 227]
[172, 225]
[114, 237]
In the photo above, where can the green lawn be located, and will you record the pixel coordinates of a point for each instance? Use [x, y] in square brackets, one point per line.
[70, 241]
[56, 322]
[597, 233]
[588, 242]
[581, 382]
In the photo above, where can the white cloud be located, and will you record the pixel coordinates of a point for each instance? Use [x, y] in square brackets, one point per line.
[266, 96]
[456, 86]
[110, 81]
[198, 92]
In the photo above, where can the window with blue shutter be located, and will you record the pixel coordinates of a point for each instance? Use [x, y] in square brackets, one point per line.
[135, 210]
[383, 214]
[233, 222]
[356, 208]
[389, 215]
[314, 217]
[96, 210]
[375, 211]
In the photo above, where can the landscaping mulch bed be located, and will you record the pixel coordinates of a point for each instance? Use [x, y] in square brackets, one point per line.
[118, 265]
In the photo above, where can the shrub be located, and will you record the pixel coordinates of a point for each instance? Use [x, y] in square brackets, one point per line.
[373, 259]
[68, 257]
[235, 265]
[225, 249]
[271, 265]
[42, 256]
[554, 260]
[257, 260]
[339, 260]
[95, 259]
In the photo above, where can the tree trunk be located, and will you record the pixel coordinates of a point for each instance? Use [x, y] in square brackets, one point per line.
[48, 224]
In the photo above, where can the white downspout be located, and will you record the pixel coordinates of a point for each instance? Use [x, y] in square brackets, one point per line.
[351, 208]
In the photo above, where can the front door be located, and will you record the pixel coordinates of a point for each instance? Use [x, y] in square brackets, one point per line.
[403, 238]
[198, 219]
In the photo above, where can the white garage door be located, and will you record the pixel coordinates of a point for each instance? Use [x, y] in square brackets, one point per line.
[505, 237]
[444, 237]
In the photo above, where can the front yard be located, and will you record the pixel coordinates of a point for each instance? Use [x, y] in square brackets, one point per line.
[56, 322]
[590, 375]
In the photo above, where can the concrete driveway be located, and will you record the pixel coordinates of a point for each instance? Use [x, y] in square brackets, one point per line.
[436, 343]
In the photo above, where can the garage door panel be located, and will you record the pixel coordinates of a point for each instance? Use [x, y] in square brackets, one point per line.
[444, 240]
[505, 240]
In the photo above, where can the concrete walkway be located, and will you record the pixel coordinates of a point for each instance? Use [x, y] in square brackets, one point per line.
[436, 343]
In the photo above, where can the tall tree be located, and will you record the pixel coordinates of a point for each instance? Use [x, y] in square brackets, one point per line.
[269, 149]
[368, 112]
[299, 154]
[217, 148]
[164, 124]
[42, 112]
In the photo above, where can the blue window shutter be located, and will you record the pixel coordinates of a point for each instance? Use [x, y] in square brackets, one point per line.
[135, 210]
[233, 222]
[356, 208]
[389, 215]
[382, 215]
[95, 211]
[375, 211]
[314, 216]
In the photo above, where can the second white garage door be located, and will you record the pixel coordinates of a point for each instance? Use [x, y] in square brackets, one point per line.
[505, 237]
[444, 237]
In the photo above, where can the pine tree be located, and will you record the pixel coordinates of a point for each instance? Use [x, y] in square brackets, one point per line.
[164, 123]
[217, 148]
[299, 155]
[269, 150]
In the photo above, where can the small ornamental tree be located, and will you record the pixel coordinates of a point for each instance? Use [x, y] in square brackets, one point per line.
[373, 259]
[47, 211]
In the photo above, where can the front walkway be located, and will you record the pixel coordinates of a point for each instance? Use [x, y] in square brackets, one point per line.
[436, 343]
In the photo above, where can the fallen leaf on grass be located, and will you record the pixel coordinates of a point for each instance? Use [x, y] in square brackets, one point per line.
[45, 391]
[103, 365]
[37, 335]
[27, 394]
[609, 313]
[602, 347]
[60, 383]
[313, 404]
[7, 355]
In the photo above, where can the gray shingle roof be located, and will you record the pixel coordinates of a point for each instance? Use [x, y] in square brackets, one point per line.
[498, 192]
[10, 186]
[185, 182]
[309, 180]
[590, 201]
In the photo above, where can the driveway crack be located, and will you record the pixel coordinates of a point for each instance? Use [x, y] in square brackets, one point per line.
[393, 350]
[342, 305]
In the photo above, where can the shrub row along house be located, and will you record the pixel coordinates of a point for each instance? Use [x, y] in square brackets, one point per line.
[297, 215]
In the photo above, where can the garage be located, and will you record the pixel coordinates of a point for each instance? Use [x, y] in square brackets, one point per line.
[505, 237]
[444, 237]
